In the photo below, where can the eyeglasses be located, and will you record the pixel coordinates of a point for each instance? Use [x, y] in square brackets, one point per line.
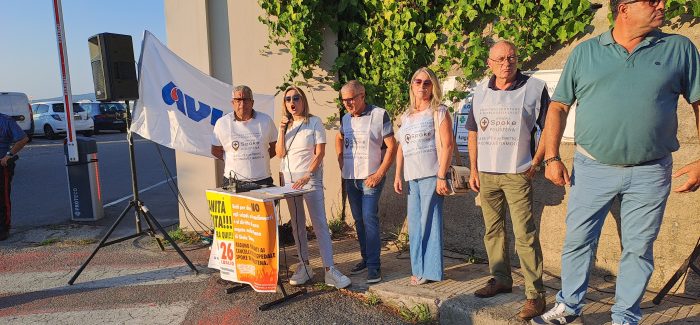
[421, 82]
[350, 100]
[294, 98]
[240, 100]
[652, 3]
[501, 60]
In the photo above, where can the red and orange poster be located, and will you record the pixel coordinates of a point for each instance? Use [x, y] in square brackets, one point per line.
[245, 240]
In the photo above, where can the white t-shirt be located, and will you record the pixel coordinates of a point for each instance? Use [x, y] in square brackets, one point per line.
[246, 145]
[300, 141]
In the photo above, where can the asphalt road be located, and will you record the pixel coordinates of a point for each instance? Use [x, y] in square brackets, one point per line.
[135, 283]
[130, 282]
[40, 187]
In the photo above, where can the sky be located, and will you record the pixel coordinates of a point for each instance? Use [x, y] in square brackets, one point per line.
[29, 51]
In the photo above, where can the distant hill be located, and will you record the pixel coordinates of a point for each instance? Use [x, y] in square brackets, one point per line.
[76, 98]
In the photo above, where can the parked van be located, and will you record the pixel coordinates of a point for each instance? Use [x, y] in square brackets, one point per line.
[49, 118]
[16, 105]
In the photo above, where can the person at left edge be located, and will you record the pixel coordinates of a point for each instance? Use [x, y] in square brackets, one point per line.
[10, 132]
[301, 145]
[245, 139]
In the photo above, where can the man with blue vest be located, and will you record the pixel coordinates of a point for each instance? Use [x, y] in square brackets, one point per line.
[365, 147]
[626, 82]
[10, 132]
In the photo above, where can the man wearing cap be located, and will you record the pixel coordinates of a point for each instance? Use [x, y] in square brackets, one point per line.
[510, 107]
[626, 82]
[365, 147]
[245, 139]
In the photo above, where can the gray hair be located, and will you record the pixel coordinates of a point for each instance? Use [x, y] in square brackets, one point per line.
[613, 7]
[354, 85]
[247, 92]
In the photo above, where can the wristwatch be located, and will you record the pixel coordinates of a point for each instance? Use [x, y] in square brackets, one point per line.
[10, 154]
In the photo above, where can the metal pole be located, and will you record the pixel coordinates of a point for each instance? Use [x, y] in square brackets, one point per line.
[65, 79]
[132, 163]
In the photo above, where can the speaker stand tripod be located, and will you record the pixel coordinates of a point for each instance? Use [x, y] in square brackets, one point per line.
[688, 265]
[141, 212]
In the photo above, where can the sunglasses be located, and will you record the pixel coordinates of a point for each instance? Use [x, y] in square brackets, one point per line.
[350, 100]
[294, 98]
[421, 82]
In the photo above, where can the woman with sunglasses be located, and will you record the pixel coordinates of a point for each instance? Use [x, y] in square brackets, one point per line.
[423, 157]
[301, 145]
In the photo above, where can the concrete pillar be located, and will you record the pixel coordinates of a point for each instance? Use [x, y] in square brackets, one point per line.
[225, 39]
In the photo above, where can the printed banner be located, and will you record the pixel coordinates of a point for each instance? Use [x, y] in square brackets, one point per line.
[245, 242]
[460, 124]
[178, 104]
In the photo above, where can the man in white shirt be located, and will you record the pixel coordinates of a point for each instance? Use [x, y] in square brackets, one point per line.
[245, 140]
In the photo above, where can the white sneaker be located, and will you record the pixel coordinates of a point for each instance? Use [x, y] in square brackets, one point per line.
[557, 315]
[303, 274]
[336, 279]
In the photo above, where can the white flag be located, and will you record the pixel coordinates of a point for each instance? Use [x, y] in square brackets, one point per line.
[178, 104]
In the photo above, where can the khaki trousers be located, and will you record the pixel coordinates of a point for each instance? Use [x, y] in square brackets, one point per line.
[515, 190]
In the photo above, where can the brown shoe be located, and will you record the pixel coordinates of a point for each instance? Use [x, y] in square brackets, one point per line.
[492, 288]
[532, 308]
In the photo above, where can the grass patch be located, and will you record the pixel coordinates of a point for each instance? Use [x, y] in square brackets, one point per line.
[372, 299]
[338, 227]
[49, 241]
[79, 242]
[322, 286]
[401, 242]
[420, 313]
[184, 237]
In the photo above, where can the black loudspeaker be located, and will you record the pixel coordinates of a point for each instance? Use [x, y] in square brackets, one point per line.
[113, 67]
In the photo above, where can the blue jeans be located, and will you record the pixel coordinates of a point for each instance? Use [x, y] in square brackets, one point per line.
[364, 205]
[643, 190]
[425, 228]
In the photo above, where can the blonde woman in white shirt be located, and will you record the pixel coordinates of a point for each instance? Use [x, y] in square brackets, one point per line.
[424, 167]
[301, 145]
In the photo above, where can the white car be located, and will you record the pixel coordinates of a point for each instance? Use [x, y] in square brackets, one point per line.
[50, 119]
[16, 106]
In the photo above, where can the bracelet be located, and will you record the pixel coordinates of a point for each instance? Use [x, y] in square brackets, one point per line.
[547, 161]
[441, 178]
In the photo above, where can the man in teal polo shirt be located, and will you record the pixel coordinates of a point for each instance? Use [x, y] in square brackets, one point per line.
[626, 83]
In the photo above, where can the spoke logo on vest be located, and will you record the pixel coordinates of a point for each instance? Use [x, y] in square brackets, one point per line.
[419, 136]
[484, 123]
[235, 145]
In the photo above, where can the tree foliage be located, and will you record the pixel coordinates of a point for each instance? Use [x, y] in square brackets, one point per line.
[381, 42]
